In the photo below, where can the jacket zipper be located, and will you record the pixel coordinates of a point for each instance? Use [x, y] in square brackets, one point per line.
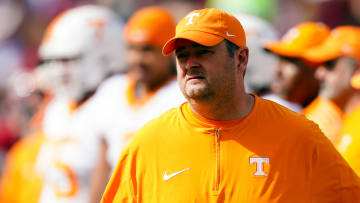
[217, 168]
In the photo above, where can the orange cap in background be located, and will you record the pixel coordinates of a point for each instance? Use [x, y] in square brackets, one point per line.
[207, 27]
[298, 39]
[343, 41]
[152, 25]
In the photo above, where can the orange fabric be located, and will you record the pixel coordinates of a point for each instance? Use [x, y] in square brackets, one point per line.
[207, 27]
[271, 156]
[350, 140]
[131, 98]
[343, 41]
[299, 38]
[153, 25]
[20, 182]
[327, 115]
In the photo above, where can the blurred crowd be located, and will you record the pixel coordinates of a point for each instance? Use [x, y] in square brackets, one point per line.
[270, 70]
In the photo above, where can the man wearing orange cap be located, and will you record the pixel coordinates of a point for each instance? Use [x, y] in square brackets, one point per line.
[129, 101]
[339, 74]
[339, 56]
[225, 145]
[295, 85]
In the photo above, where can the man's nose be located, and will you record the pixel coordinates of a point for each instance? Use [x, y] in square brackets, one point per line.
[192, 62]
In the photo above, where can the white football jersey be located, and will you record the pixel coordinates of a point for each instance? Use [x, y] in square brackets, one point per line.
[69, 153]
[119, 119]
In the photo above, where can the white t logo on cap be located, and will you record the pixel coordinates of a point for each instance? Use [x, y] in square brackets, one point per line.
[190, 18]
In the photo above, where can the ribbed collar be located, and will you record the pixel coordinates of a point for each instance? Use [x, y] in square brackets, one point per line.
[198, 121]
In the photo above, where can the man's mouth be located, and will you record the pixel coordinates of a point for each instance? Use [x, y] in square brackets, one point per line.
[195, 77]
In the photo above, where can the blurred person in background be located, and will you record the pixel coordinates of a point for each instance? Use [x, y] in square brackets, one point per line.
[349, 139]
[257, 78]
[149, 88]
[80, 48]
[337, 106]
[295, 85]
[22, 23]
[20, 182]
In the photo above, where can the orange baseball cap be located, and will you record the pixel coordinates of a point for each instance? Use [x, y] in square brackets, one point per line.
[153, 25]
[298, 39]
[343, 41]
[207, 27]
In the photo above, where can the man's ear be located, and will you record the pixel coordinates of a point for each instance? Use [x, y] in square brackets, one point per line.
[241, 57]
[355, 79]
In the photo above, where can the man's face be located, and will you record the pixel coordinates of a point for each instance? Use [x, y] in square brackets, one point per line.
[286, 75]
[294, 82]
[335, 77]
[204, 72]
[73, 77]
[147, 64]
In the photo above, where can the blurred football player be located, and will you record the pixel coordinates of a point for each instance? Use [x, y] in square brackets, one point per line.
[80, 48]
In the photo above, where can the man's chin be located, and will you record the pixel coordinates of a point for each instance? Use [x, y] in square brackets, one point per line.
[196, 92]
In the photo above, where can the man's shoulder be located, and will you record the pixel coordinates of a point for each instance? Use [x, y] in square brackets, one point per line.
[289, 120]
[278, 111]
[166, 118]
[157, 127]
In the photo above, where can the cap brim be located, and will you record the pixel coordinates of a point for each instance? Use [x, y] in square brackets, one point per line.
[323, 53]
[199, 37]
[282, 49]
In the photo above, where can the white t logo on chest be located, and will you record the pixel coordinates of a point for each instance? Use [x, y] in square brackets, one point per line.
[259, 165]
[190, 18]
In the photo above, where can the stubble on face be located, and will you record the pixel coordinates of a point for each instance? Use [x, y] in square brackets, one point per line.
[198, 87]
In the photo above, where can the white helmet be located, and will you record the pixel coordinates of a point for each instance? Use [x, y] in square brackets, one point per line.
[262, 65]
[80, 48]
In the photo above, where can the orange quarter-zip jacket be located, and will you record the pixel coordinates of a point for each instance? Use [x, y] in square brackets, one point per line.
[273, 155]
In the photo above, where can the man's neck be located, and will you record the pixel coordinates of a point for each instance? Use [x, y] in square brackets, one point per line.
[142, 89]
[224, 110]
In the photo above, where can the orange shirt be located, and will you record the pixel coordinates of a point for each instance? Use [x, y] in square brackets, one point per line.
[271, 156]
[349, 145]
[327, 115]
[20, 182]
